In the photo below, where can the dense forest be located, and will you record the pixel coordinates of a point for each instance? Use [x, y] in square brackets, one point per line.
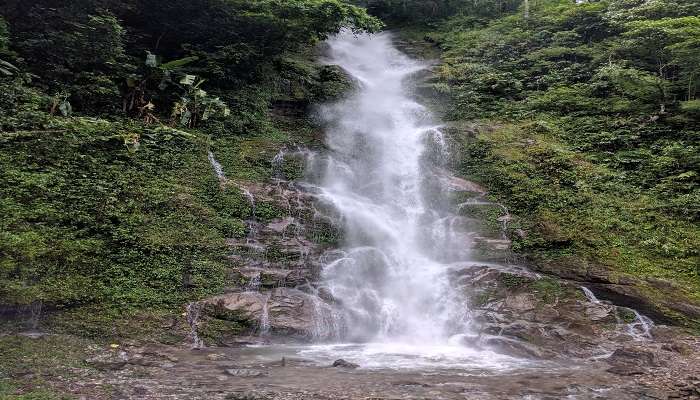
[108, 110]
[582, 118]
[590, 130]
[584, 121]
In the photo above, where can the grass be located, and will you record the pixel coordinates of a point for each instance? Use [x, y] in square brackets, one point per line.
[36, 369]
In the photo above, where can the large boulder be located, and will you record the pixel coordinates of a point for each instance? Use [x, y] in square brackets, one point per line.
[283, 311]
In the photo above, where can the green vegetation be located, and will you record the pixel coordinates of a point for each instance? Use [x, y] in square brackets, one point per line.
[512, 281]
[419, 12]
[35, 360]
[587, 130]
[108, 112]
[587, 122]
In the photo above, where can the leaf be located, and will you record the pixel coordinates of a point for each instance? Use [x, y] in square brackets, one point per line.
[185, 118]
[179, 63]
[151, 60]
[169, 130]
[9, 66]
[7, 69]
[188, 80]
[65, 108]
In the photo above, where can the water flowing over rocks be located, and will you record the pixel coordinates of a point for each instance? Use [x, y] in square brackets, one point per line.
[284, 311]
[285, 273]
[340, 363]
[161, 372]
[317, 268]
[453, 315]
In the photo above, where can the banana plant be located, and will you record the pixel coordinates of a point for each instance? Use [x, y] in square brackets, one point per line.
[137, 99]
[7, 69]
[196, 105]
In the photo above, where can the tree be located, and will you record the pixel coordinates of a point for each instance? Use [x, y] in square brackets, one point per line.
[669, 46]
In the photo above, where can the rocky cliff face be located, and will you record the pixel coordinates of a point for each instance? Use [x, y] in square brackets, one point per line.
[522, 306]
[274, 271]
[275, 290]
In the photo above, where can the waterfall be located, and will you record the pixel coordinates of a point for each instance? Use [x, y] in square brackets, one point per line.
[218, 169]
[192, 314]
[392, 281]
[264, 328]
[639, 329]
[589, 295]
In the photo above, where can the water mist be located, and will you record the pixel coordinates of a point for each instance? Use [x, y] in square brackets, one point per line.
[392, 279]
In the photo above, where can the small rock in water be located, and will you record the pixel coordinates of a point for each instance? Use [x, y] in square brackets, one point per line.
[410, 383]
[246, 396]
[634, 356]
[245, 373]
[678, 347]
[626, 370]
[340, 363]
[216, 357]
[110, 361]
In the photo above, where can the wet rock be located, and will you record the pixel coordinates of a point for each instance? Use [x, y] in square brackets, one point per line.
[109, 361]
[599, 312]
[462, 185]
[629, 296]
[690, 310]
[634, 356]
[275, 277]
[627, 370]
[245, 373]
[411, 384]
[678, 347]
[521, 302]
[146, 362]
[514, 347]
[287, 311]
[141, 390]
[247, 396]
[626, 291]
[665, 333]
[550, 317]
[340, 363]
[216, 357]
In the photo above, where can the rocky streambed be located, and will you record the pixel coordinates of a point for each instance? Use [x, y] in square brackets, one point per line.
[666, 368]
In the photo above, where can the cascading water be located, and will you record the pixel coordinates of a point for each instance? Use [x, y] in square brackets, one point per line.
[392, 283]
[639, 328]
[216, 166]
[192, 315]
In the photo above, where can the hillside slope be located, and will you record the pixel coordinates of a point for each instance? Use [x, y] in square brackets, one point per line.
[582, 119]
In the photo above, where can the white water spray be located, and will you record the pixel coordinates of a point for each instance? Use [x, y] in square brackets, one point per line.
[216, 166]
[192, 315]
[639, 329]
[264, 328]
[392, 281]
[590, 295]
